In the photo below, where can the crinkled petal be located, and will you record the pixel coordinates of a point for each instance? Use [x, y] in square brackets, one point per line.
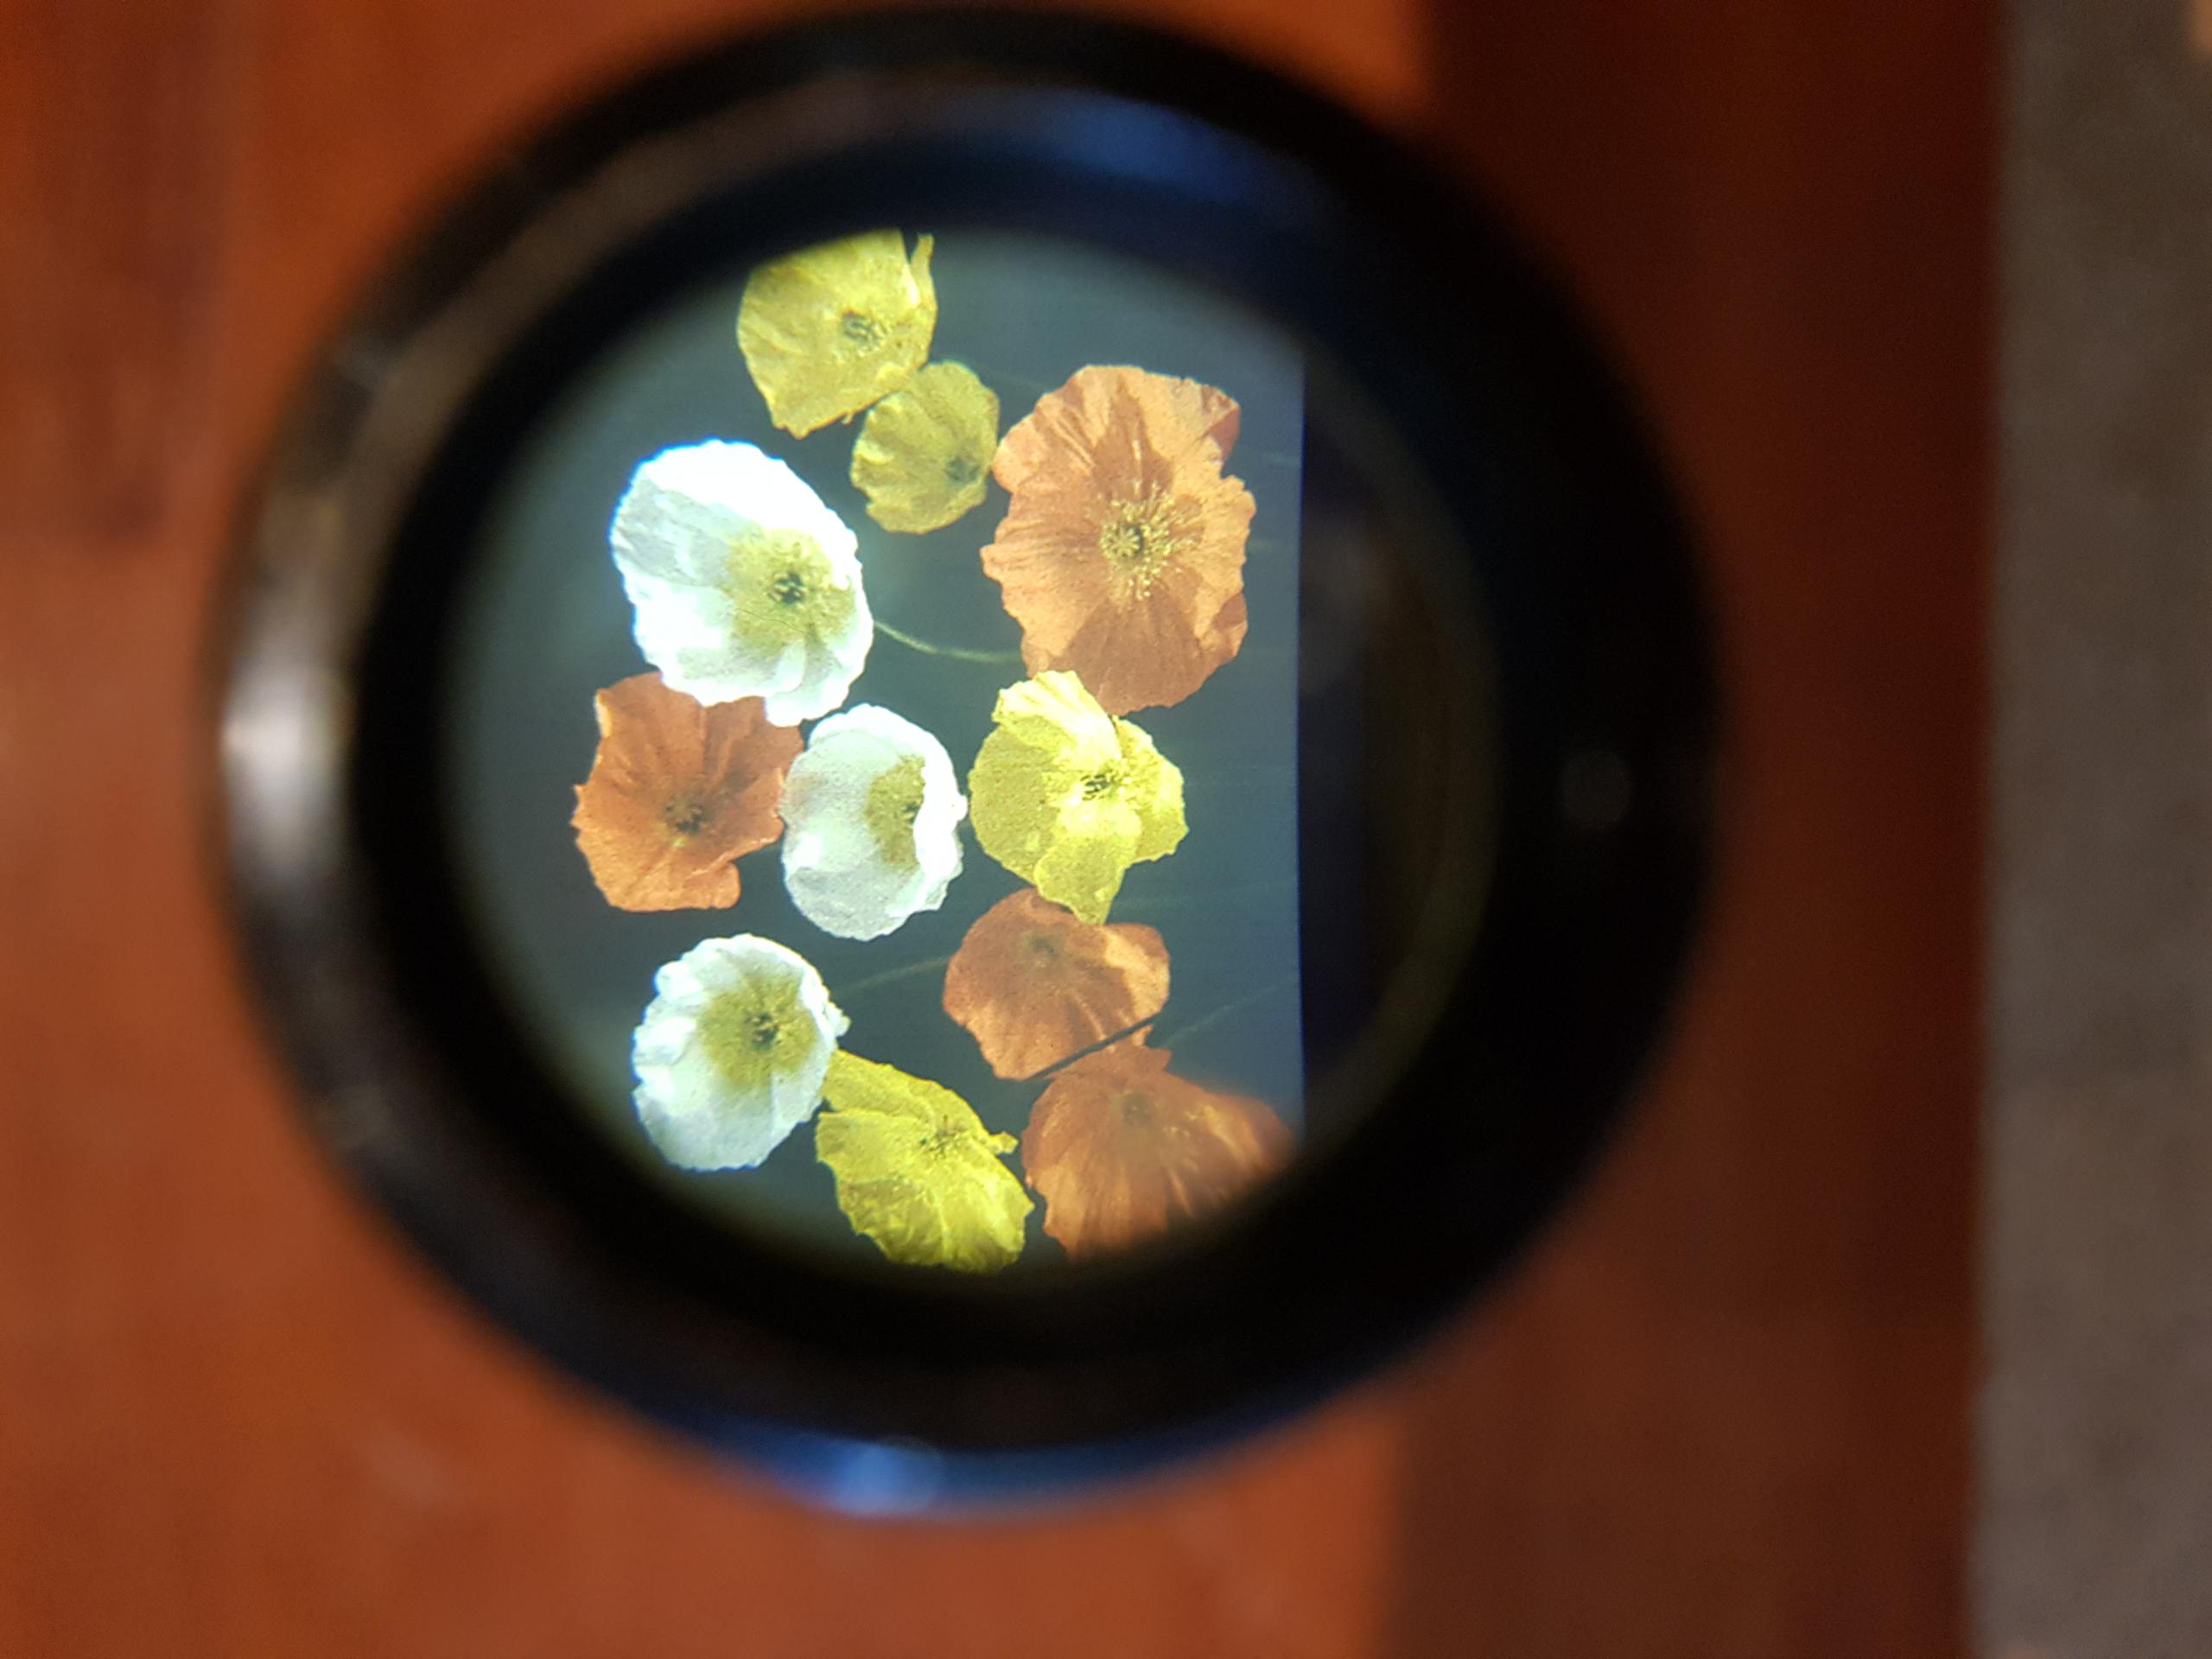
[1034, 984]
[872, 809]
[1054, 711]
[1084, 870]
[916, 1171]
[923, 455]
[1123, 1151]
[1153, 789]
[828, 330]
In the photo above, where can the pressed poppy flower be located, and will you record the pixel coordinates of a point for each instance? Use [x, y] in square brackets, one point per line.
[744, 583]
[1122, 1150]
[923, 455]
[830, 329]
[1067, 796]
[916, 1171]
[1122, 553]
[677, 794]
[731, 1051]
[873, 810]
[1034, 984]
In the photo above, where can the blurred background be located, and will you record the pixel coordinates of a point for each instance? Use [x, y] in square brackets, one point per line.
[1884, 1332]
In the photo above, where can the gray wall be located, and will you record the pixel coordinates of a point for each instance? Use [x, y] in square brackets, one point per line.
[2096, 1539]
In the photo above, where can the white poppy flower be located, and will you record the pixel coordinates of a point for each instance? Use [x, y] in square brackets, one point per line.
[731, 1051]
[872, 814]
[744, 584]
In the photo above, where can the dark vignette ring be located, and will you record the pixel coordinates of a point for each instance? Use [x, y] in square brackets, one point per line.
[864, 1389]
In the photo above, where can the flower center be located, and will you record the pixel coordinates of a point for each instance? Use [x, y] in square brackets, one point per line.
[940, 1142]
[962, 470]
[782, 586]
[1040, 948]
[748, 1034]
[686, 816]
[1135, 1108]
[1100, 783]
[861, 329]
[1137, 538]
[894, 801]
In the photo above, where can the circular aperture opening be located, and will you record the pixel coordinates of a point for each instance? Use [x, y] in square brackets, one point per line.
[922, 711]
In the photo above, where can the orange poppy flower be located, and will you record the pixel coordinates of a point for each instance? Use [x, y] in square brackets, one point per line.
[1121, 553]
[1034, 984]
[1123, 1152]
[678, 792]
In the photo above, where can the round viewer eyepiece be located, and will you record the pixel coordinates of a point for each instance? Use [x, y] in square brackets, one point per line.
[965, 749]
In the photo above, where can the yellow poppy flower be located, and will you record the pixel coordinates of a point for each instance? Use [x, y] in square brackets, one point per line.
[923, 455]
[830, 329]
[916, 1171]
[1068, 796]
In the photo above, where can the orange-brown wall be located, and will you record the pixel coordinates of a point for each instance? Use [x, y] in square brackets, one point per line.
[1724, 1414]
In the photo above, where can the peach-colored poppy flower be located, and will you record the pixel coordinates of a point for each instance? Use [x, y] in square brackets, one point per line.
[678, 792]
[1034, 984]
[1122, 1151]
[1121, 553]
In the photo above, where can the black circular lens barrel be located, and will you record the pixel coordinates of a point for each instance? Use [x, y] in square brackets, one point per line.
[1541, 940]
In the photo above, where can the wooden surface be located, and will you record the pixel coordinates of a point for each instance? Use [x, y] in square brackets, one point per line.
[1726, 1411]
